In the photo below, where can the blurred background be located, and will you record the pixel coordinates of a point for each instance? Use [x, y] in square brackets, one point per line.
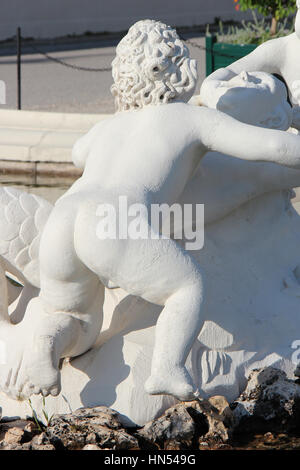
[53, 18]
[84, 34]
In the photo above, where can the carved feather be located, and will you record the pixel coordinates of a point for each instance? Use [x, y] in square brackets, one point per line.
[22, 220]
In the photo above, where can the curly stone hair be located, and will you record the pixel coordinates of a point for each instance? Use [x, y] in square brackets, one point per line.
[152, 66]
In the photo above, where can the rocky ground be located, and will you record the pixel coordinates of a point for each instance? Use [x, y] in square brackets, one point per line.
[265, 416]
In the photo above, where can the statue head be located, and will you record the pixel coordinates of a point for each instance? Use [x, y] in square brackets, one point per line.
[256, 98]
[152, 66]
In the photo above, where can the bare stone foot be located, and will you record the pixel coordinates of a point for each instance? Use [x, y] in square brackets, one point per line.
[39, 372]
[175, 382]
[31, 365]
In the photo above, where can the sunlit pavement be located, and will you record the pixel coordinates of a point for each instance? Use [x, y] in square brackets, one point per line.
[49, 86]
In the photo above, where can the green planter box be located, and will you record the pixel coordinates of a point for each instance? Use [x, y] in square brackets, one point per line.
[221, 54]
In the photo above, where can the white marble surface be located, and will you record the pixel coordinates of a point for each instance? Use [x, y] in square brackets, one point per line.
[278, 56]
[246, 314]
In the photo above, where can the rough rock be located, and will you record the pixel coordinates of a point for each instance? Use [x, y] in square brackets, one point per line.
[40, 440]
[176, 424]
[221, 404]
[17, 433]
[30, 428]
[98, 425]
[182, 425]
[14, 447]
[269, 407]
[14, 436]
[91, 447]
[218, 420]
[270, 402]
[43, 447]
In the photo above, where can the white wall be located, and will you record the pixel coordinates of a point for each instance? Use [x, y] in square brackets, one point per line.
[52, 18]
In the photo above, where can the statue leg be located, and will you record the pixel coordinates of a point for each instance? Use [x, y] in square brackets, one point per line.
[177, 328]
[63, 321]
[161, 272]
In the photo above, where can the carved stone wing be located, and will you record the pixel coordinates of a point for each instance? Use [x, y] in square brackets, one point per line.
[22, 220]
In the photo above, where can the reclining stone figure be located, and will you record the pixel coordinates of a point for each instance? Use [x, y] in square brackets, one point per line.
[147, 152]
[279, 56]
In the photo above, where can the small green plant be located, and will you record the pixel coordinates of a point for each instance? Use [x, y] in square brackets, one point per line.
[34, 416]
[45, 414]
[277, 9]
[255, 32]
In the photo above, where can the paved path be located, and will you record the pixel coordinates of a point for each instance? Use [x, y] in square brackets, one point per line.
[49, 86]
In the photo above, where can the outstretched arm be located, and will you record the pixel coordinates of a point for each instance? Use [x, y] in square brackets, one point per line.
[221, 133]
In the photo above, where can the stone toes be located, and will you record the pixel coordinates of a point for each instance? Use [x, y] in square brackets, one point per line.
[55, 391]
[36, 390]
[28, 390]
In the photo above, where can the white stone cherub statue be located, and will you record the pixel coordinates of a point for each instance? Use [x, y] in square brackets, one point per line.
[224, 183]
[279, 56]
[147, 151]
